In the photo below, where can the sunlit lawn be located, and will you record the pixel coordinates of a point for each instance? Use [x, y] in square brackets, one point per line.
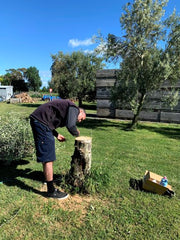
[112, 210]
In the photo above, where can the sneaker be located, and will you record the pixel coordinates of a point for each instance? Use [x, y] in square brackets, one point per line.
[58, 195]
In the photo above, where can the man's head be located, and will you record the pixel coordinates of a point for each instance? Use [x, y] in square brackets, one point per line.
[82, 115]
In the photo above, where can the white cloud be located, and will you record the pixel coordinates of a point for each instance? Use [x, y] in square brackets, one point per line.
[77, 43]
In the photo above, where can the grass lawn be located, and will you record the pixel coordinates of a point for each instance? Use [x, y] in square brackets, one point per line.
[113, 210]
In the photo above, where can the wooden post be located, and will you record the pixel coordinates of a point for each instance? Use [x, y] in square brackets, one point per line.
[81, 161]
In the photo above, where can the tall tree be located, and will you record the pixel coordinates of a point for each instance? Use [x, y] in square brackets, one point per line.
[33, 78]
[15, 77]
[86, 66]
[145, 63]
[75, 75]
[1, 79]
[173, 45]
[6, 79]
[63, 75]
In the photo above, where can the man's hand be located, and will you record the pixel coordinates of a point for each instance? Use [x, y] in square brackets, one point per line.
[61, 138]
[78, 132]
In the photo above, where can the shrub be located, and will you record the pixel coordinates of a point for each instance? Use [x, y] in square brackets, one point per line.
[35, 94]
[15, 138]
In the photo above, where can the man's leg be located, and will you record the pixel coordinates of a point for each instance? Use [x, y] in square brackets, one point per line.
[52, 191]
[40, 132]
[48, 171]
[48, 174]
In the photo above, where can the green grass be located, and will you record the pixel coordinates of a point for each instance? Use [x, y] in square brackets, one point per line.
[113, 210]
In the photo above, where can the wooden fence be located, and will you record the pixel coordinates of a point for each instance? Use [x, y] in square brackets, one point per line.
[154, 110]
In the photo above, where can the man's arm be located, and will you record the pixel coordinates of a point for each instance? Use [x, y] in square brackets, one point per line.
[59, 137]
[71, 121]
[55, 133]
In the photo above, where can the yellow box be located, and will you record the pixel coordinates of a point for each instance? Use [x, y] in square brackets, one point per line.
[151, 182]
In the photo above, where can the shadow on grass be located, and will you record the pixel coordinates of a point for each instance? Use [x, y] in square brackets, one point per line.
[33, 105]
[94, 122]
[170, 132]
[137, 184]
[89, 106]
[11, 176]
[102, 123]
[85, 106]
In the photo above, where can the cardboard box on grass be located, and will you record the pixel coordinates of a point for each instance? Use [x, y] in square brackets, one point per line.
[151, 182]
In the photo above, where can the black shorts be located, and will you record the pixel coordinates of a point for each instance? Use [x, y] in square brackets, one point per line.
[44, 142]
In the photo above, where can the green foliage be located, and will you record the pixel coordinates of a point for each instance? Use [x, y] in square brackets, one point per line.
[44, 89]
[173, 45]
[75, 75]
[16, 140]
[171, 99]
[98, 181]
[145, 64]
[33, 78]
[6, 79]
[63, 75]
[1, 78]
[15, 77]
[36, 94]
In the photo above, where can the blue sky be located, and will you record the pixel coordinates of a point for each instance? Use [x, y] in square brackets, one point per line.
[32, 30]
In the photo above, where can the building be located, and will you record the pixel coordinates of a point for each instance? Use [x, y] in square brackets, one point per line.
[6, 92]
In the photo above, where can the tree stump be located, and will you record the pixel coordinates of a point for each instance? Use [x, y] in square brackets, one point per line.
[81, 161]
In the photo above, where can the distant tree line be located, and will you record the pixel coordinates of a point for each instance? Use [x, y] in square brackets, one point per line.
[22, 79]
[73, 76]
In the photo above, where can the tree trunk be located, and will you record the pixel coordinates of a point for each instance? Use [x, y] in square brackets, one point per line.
[81, 161]
[136, 116]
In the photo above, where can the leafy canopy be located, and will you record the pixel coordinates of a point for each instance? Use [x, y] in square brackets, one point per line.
[74, 75]
[33, 78]
[15, 78]
[148, 51]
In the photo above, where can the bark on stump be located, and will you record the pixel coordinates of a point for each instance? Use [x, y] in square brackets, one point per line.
[81, 161]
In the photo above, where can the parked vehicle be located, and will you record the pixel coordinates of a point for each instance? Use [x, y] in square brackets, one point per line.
[49, 98]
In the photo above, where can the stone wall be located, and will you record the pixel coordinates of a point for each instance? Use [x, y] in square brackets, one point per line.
[153, 111]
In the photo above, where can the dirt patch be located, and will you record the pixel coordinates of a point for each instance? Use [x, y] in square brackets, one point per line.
[77, 203]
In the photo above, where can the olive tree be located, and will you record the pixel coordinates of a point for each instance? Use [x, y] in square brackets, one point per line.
[149, 53]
